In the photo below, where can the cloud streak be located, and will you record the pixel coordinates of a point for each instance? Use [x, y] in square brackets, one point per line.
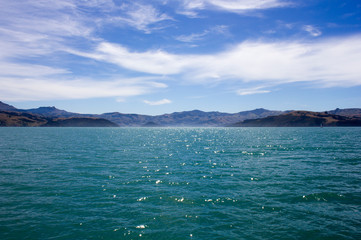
[36, 89]
[251, 91]
[312, 30]
[39, 37]
[35, 36]
[332, 62]
[143, 17]
[239, 6]
[219, 29]
[156, 103]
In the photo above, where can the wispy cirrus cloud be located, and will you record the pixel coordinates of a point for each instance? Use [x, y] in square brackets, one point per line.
[156, 103]
[157, 62]
[251, 91]
[217, 30]
[312, 30]
[143, 17]
[38, 38]
[38, 29]
[28, 70]
[53, 19]
[189, 7]
[35, 89]
[332, 62]
[192, 37]
[36, 35]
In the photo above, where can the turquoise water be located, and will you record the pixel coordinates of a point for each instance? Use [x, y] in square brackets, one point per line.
[180, 183]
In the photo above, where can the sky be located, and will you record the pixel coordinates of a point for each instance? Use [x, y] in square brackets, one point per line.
[163, 56]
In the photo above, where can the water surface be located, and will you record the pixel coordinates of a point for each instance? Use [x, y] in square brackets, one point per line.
[180, 183]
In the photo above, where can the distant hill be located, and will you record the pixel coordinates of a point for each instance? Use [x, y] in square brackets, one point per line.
[48, 117]
[151, 124]
[79, 122]
[21, 119]
[348, 112]
[51, 112]
[43, 111]
[301, 119]
[6, 107]
[18, 119]
[126, 120]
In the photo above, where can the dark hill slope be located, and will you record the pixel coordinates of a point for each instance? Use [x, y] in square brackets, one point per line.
[126, 120]
[347, 112]
[51, 112]
[79, 122]
[20, 119]
[17, 119]
[301, 119]
[6, 107]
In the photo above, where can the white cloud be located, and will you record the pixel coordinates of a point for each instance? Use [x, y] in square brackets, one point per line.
[152, 62]
[32, 89]
[230, 5]
[235, 5]
[105, 5]
[156, 103]
[140, 16]
[219, 29]
[35, 35]
[48, 18]
[28, 70]
[312, 30]
[40, 28]
[332, 62]
[251, 91]
[192, 37]
[322, 63]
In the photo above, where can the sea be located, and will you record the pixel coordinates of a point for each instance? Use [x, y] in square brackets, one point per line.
[180, 183]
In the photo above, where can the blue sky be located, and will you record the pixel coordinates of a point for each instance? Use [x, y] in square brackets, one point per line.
[161, 56]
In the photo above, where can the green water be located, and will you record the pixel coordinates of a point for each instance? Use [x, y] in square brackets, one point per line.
[180, 183]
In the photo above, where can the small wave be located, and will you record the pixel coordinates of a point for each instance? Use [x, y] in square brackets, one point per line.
[142, 199]
[323, 197]
[141, 226]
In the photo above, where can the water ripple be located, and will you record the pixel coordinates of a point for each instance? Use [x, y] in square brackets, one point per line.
[180, 183]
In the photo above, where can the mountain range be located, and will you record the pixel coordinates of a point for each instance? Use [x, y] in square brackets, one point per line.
[187, 118]
[51, 116]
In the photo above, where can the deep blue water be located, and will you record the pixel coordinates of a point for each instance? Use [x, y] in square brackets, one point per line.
[180, 183]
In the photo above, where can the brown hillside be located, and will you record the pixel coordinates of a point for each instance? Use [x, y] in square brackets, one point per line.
[301, 119]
